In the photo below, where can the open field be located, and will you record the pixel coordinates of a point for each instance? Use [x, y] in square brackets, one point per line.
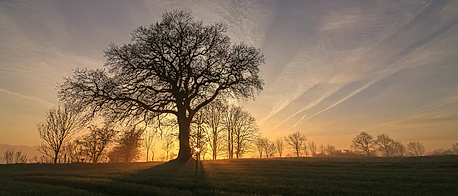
[311, 176]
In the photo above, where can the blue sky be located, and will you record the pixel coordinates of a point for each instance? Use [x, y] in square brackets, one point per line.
[333, 68]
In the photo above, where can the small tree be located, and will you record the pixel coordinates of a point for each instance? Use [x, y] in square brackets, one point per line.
[296, 141]
[74, 151]
[241, 129]
[214, 114]
[96, 141]
[168, 145]
[148, 142]
[331, 150]
[399, 148]
[415, 149]
[306, 150]
[280, 146]
[270, 149]
[385, 145]
[455, 148]
[244, 130]
[260, 145]
[8, 156]
[323, 150]
[60, 126]
[12, 156]
[128, 146]
[313, 148]
[363, 143]
[19, 157]
[199, 137]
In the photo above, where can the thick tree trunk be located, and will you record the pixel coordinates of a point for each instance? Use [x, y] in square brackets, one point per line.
[185, 149]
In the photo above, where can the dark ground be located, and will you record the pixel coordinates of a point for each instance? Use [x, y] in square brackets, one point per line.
[301, 176]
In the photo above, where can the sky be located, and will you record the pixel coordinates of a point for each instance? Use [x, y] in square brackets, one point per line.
[333, 68]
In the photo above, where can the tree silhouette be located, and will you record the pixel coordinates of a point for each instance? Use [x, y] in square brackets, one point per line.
[242, 130]
[214, 113]
[60, 126]
[312, 147]
[176, 66]
[8, 156]
[296, 141]
[399, 148]
[260, 142]
[306, 150]
[11, 156]
[127, 148]
[148, 142]
[331, 150]
[168, 145]
[385, 145]
[455, 148]
[363, 143]
[270, 149]
[199, 137]
[415, 149]
[280, 146]
[96, 141]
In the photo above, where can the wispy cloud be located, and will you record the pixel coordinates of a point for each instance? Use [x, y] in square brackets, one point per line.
[33, 98]
[368, 46]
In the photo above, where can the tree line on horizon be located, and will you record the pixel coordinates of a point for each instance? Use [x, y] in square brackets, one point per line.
[220, 129]
[363, 144]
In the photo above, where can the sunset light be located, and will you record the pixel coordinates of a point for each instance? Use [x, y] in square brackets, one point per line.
[234, 89]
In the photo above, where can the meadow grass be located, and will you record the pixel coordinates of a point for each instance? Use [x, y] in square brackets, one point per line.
[286, 176]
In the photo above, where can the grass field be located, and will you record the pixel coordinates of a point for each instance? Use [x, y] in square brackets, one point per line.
[302, 176]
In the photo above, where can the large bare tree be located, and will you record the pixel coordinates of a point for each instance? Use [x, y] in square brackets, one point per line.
[363, 143]
[61, 124]
[296, 140]
[176, 66]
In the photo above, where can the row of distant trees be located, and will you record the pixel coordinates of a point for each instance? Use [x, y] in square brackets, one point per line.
[11, 156]
[383, 145]
[363, 144]
[218, 129]
[61, 143]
